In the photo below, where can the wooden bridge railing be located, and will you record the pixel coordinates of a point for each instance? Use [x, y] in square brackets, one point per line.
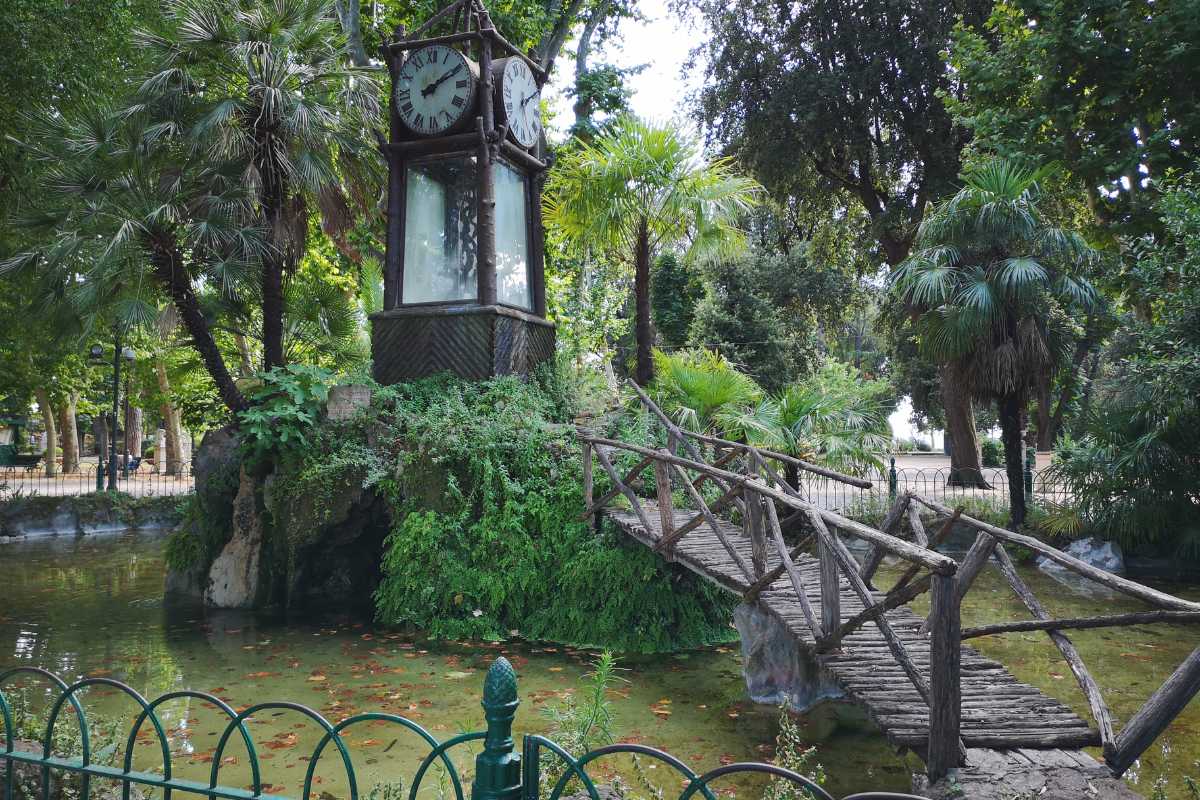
[1120, 750]
[749, 483]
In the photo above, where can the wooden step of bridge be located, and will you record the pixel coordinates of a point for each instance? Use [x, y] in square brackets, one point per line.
[998, 711]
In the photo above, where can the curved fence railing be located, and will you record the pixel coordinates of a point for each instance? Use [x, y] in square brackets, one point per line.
[145, 481]
[933, 482]
[541, 768]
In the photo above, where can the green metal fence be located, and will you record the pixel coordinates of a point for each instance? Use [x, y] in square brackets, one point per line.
[501, 771]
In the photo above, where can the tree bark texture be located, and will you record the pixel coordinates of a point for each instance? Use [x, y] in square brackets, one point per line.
[133, 431]
[171, 426]
[1009, 407]
[966, 466]
[44, 405]
[349, 13]
[643, 328]
[69, 434]
[174, 278]
[100, 434]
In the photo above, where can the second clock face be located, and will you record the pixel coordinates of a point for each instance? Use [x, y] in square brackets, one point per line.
[435, 90]
[520, 101]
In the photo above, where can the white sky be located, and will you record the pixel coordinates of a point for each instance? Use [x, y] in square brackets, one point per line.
[662, 42]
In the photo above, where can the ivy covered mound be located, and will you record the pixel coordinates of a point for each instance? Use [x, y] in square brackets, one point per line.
[465, 498]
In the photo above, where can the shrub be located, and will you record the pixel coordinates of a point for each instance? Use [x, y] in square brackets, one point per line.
[992, 452]
[484, 483]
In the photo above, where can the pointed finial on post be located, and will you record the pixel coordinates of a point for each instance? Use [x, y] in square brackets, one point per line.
[498, 767]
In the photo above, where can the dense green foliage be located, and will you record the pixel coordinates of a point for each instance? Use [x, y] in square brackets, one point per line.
[482, 483]
[1104, 87]
[486, 495]
[1135, 469]
[641, 187]
[836, 416]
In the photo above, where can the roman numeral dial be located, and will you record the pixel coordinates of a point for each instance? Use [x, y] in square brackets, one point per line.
[435, 90]
[519, 100]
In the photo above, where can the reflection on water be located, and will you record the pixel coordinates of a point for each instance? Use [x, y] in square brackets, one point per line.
[92, 606]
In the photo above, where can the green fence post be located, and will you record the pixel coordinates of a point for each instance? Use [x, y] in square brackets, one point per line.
[498, 767]
[892, 480]
[1030, 460]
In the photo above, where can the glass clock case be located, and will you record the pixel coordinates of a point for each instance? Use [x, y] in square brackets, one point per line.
[441, 233]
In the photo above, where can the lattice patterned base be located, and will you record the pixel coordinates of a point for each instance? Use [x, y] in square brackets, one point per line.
[475, 342]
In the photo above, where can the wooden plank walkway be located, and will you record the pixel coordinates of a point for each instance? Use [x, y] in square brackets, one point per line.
[998, 711]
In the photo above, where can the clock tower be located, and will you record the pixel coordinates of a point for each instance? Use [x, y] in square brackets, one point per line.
[464, 285]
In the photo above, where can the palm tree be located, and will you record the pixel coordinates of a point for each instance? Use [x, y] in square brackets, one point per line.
[835, 418]
[268, 88]
[125, 216]
[641, 187]
[703, 392]
[987, 270]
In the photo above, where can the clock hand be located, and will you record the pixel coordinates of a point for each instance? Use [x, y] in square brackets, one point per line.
[525, 102]
[431, 88]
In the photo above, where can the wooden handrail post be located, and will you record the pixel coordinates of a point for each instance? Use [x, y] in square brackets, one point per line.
[753, 523]
[831, 596]
[1153, 718]
[587, 475]
[666, 508]
[945, 692]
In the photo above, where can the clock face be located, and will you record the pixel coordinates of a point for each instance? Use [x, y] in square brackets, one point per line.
[520, 101]
[435, 89]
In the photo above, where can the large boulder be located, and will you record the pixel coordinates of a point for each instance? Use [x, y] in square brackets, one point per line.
[217, 458]
[233, 579]
[776, 669]
[1107, 556]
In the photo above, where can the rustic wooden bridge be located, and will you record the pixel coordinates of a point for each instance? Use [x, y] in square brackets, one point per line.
[925, 690]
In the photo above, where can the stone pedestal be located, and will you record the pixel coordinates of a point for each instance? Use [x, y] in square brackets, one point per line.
[472, 341]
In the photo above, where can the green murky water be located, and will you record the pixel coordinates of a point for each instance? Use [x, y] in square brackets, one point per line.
[93, 606]
[1129, 664]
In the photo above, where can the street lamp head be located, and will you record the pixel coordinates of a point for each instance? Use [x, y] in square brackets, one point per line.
[96, 352]
[128, 354]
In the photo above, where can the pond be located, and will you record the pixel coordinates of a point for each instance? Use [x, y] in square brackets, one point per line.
[92, 606]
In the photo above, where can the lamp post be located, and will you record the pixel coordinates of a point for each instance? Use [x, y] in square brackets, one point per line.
[97, 354]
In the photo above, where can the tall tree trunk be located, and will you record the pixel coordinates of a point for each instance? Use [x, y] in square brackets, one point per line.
[70, 434]
[349, 12]
[966, 465]
[584, 105]
[100, 434]
[174, 278]
[246, 366]
[1009, 407]
[43, 399]
[133, 432]
[643, 327]
[272, 312]
[170, 415]
[1045, 417]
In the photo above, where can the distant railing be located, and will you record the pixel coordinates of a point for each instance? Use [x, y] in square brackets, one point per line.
[501, 772]
[934, 483]
[145, 481]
